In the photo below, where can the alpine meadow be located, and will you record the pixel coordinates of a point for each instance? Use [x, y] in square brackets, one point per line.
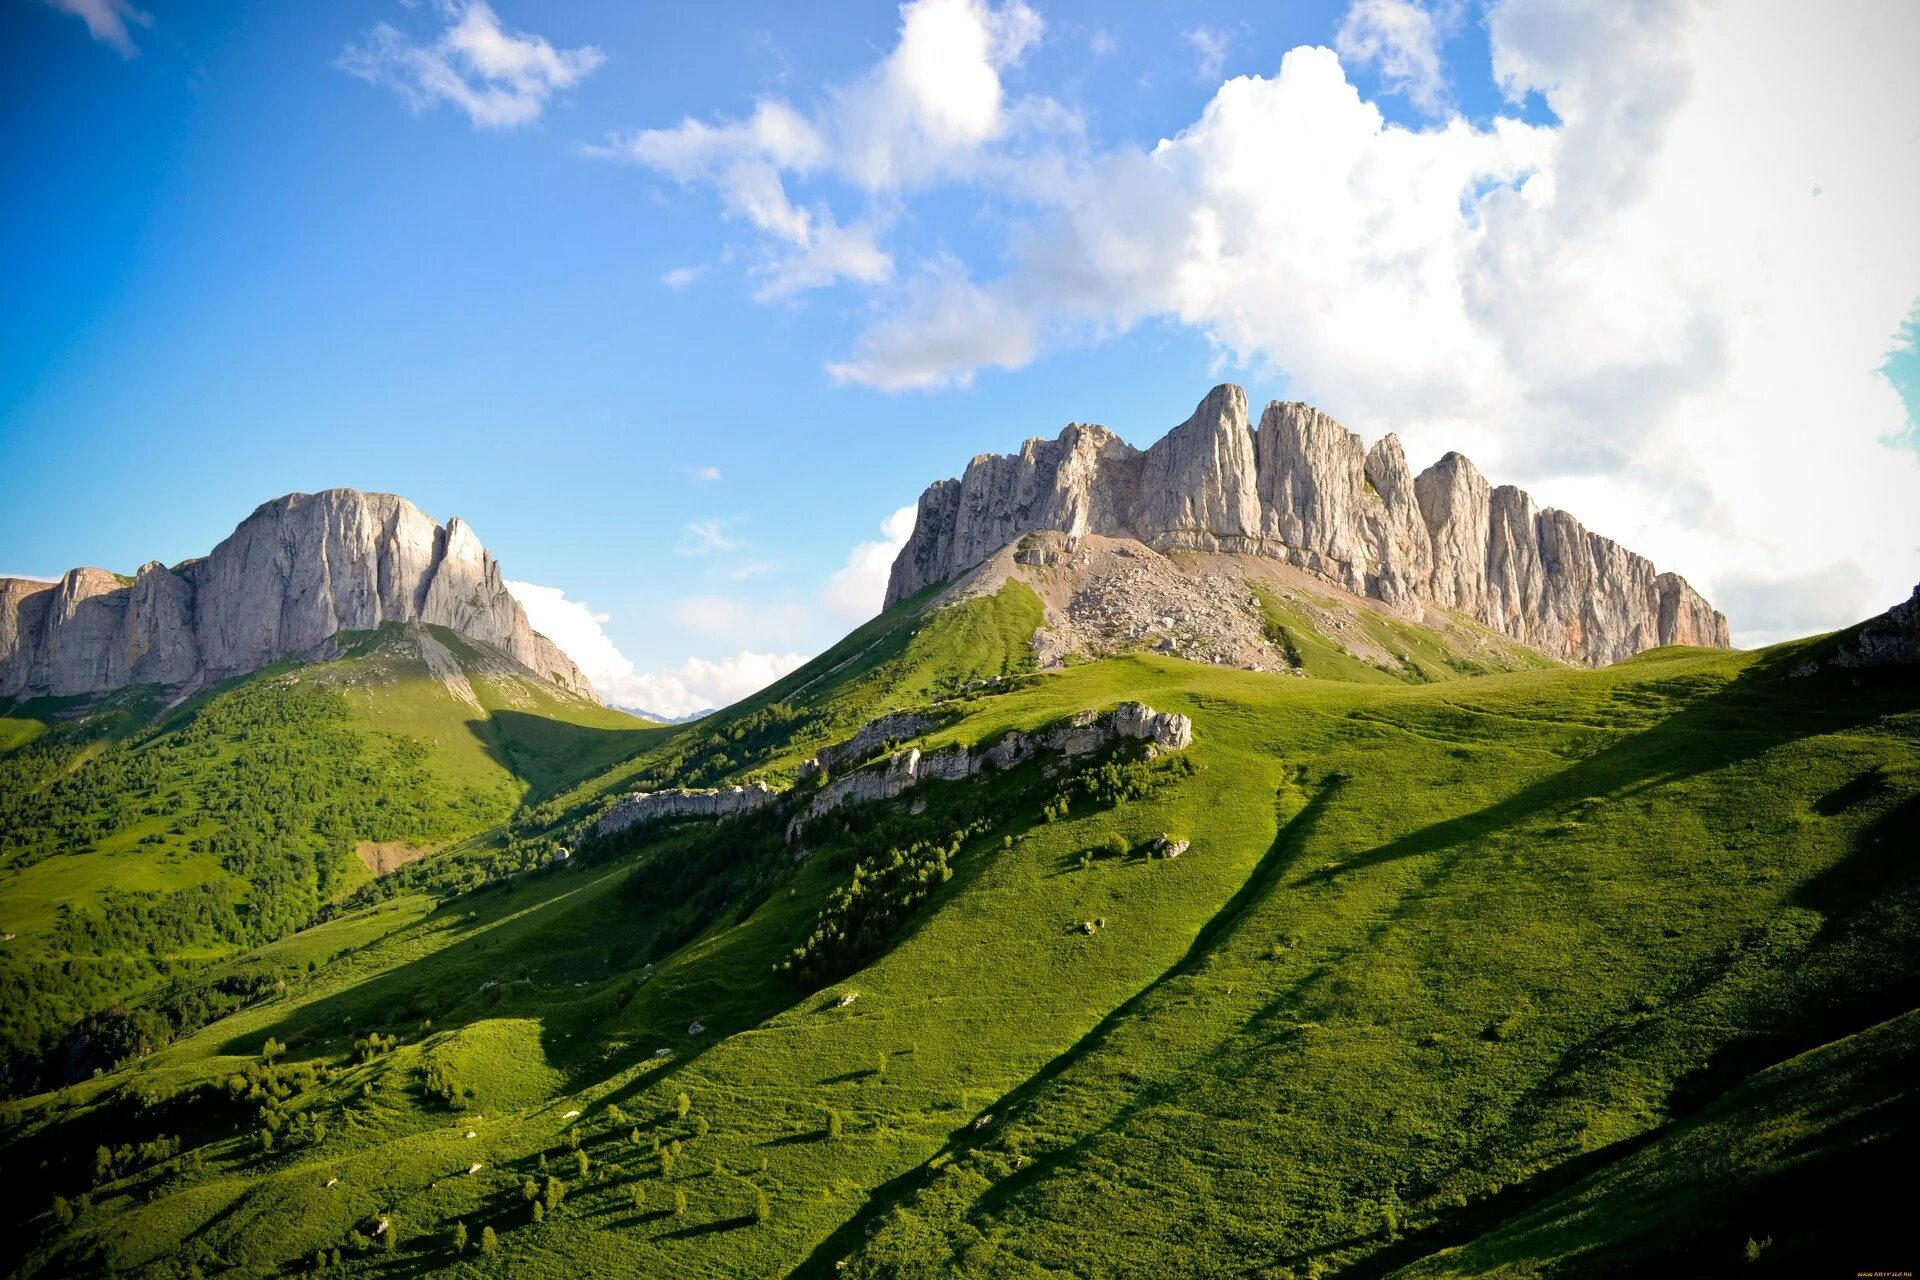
[1268, 846]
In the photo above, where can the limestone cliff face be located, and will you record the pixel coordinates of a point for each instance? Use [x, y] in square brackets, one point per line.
[1302, 488]
[296, 571]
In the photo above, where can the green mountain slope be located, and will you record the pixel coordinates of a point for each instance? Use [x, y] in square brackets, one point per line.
[1446, 968]
[135, 851]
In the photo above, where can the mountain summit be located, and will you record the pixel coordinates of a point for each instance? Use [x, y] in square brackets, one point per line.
[1303, 490]
[291, 575]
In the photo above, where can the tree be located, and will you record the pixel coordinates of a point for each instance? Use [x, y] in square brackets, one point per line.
[833, 1124]
[389, 1233]
[459, 1237]
[271, 1050]
[880, 1065]
[762, 1209]
[634, 1137]
[1112, 845]
[573, 1138]
[700, 1126]
[489, 1242]
[580, 1161]
[538, 1212]
[530, 1189]
[639, 1197]
[62, 1211]
[682, 1105]
[556, 1191]
[679, 1202]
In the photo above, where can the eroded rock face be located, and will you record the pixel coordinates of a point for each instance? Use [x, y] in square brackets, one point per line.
[1303, 489]
[1079, 734]
[1890, 640]
[655, 806]
[296, 571]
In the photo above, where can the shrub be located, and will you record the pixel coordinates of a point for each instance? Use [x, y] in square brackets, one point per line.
[1112, 845]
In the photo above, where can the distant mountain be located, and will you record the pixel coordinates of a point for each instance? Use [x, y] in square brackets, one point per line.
[293, 574]
[659, 718]
[1302, 490]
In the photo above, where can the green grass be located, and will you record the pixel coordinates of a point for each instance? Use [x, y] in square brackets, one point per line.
[1556, 972]
[238, 811]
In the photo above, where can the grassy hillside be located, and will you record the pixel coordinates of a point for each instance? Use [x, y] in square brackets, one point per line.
[1455, 976]
[135, 851]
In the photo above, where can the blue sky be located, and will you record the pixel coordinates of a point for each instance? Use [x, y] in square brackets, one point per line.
[254, 249]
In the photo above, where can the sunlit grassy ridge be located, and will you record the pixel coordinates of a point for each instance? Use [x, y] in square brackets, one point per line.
[134, 851]
[1446, 970]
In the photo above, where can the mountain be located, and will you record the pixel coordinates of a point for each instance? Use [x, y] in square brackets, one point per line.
[1302, 490]
[290, 577]
[657, 717]
[1027, 931]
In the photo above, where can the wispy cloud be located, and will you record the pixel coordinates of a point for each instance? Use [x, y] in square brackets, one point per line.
[681, 277]
[706, 537]
[502, 79]
[708, 473]
[1210, 45]
[1401, 40]
[107, 20]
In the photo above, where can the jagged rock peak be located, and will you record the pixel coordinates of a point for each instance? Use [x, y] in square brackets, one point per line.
[299, 569]
[1302, 488]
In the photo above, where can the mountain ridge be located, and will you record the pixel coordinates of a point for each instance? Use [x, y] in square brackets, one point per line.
[298, 570]
[1302, 489]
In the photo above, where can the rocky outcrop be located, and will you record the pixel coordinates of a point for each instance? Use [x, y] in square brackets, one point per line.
[1890, 640]
[1084, 732]
[869, 738]
[1303, 489]
[295, 572]
[655, 806]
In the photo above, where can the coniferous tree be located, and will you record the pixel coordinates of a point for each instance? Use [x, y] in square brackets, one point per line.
[459, 1237]
[580, 1162]
[762, 1209]
[489, 1243]
[681, 1105]
[679, 1203]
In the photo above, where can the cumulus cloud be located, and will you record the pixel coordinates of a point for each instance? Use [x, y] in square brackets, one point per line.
[1401, 40]
[857, 589]
[694, 685]
[926, 111]
[107, 20]
[502, 79]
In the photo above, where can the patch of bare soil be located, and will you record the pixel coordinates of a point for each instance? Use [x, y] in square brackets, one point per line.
[382, 856]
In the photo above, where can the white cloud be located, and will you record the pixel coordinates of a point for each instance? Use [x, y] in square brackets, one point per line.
[1210, 45]
[925, 111]
[107, 20]
[694, 685]
[857, 589]
[681, 277]
[706, 537]
[708, 473]
[502, 79]
[1401, 40]
[1637, 310]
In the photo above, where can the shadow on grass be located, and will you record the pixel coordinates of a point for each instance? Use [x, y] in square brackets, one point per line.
[821, 1263]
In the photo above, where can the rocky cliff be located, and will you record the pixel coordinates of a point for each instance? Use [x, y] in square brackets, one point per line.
[1302, 488]
[296, 571]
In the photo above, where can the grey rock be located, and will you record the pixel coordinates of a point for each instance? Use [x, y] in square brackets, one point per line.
[1079, 734]
[1303, 489]
[643, 807]
[291, 575]
[1891, 639]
